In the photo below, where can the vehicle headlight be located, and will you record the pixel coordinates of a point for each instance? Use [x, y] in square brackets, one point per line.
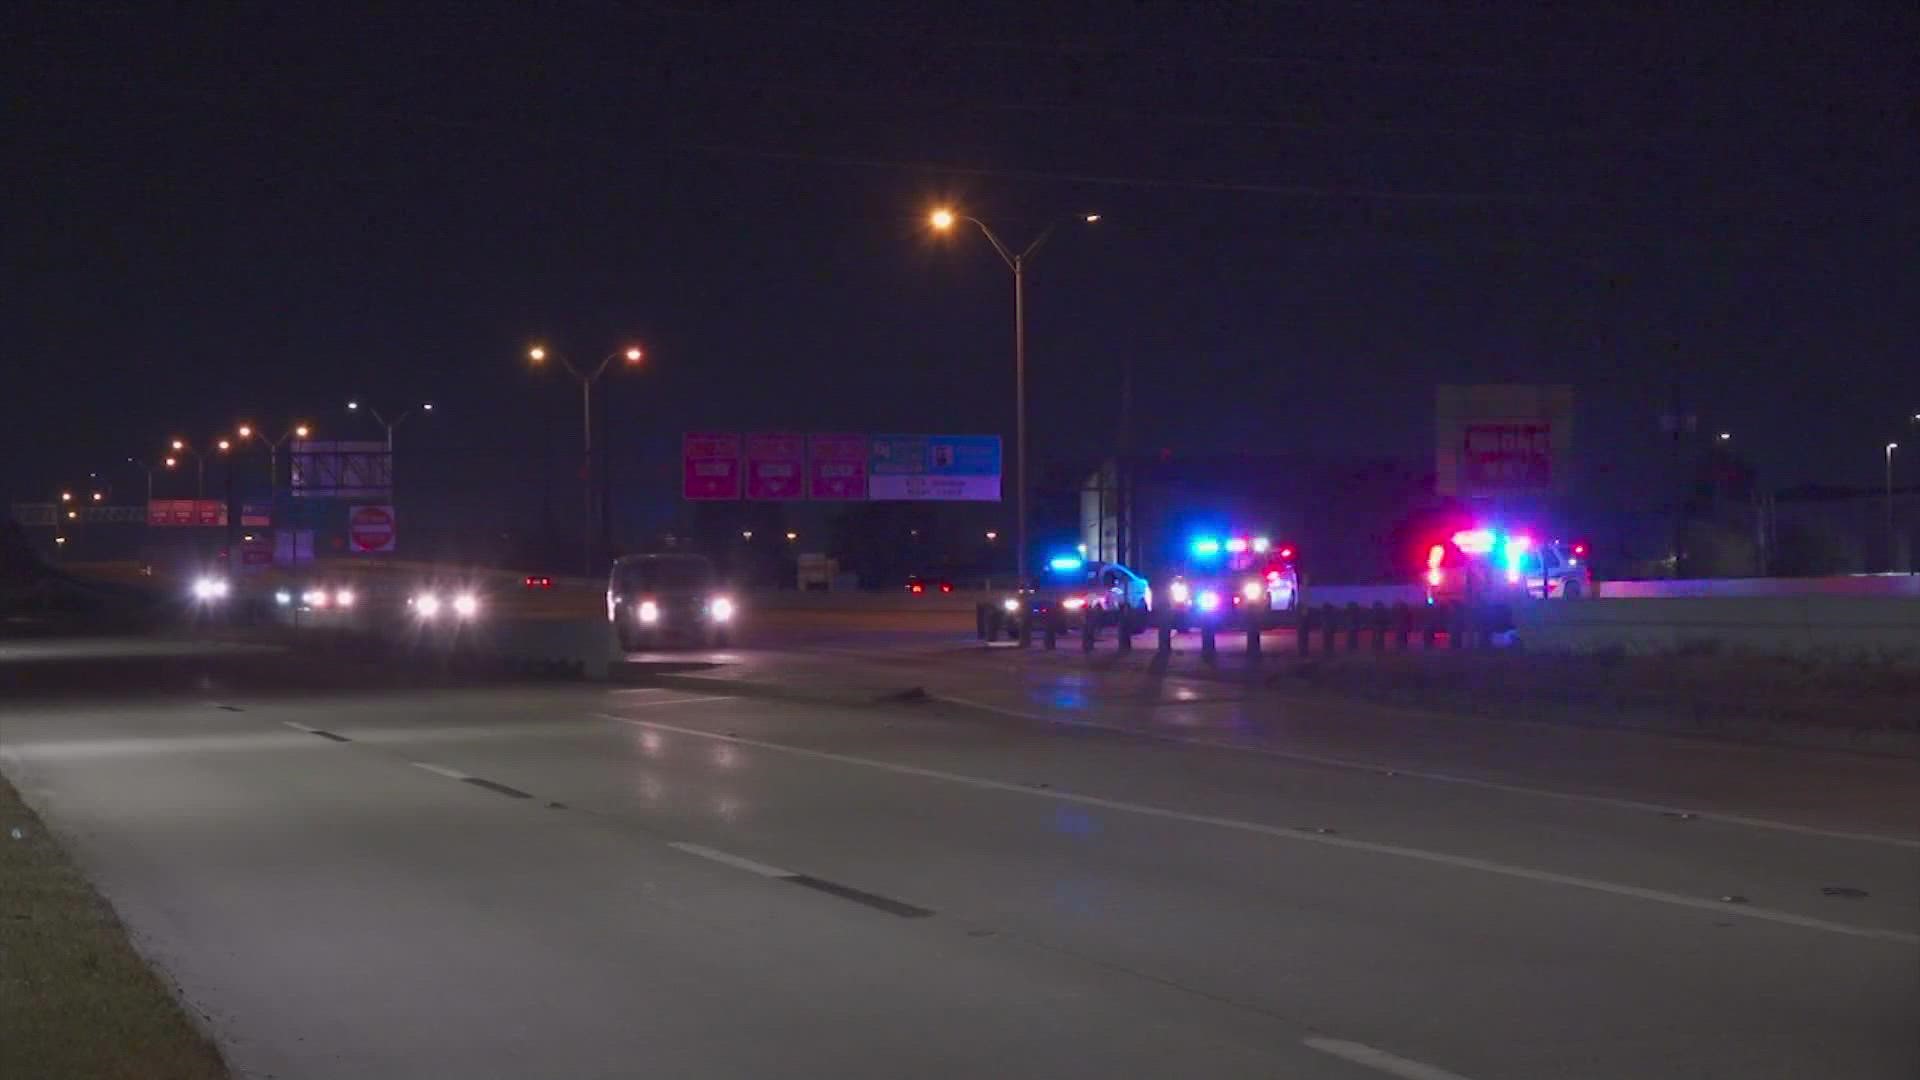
[282, 597]
[649, 612]
[1074, 603]
[426, 605]
[721, 609]
[210, 588]
[1209, 600]
[1011, 604]
[1251, 590]
[316, 598]
[466, 605]
[1179, 593]
[344, 598]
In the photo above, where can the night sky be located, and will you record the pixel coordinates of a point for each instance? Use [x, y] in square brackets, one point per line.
[1313, 213]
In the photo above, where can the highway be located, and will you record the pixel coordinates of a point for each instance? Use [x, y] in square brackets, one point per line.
[787, 865]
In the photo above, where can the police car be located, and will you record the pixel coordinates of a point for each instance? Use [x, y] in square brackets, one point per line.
[1487, 563]
[1074, 588]
[1225, 580]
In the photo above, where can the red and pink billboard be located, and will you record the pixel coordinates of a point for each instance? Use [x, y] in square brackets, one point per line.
[710, 466]
[776, 467]
[837, 467]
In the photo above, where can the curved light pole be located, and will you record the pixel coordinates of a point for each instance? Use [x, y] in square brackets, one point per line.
[354, 406]
[538, 356]
[297, 431]
[943, 219]
[1891, 545]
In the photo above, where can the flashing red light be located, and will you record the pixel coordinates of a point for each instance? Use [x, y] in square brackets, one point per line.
[1286, 553]
[1580, 549]
[946, 586]
[1436, 555]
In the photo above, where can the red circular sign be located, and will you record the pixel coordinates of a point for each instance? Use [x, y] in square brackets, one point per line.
[370, 528]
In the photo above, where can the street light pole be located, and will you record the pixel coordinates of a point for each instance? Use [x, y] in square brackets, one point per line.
[943, 220]
[633, 355]
[1892, 547]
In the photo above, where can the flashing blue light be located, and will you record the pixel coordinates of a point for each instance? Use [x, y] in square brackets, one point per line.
[1065, 564]
[1206, 547]
[1209, 600]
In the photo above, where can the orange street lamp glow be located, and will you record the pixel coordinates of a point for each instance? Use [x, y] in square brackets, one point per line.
[98, 496]
[245, 431]
[178, 445]
[66, 496]
[170, 463]
[634, 355]
[941, 219]
[537, 354]
[301, 431]
[224, 445]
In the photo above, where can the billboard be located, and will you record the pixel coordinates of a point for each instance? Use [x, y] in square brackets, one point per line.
[710, 466]
[1502, 440]
[837, 467]
[934, 467]
[341, 470]
[776, 467]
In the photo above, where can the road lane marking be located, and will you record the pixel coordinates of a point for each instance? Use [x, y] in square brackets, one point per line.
[1392, 1064]
[1437, 777]
[490, 785]
[669, 701]
[806, 881]
[735, 861]
[860, 896]
[1436, 858]
[439, 770]
[316, 731]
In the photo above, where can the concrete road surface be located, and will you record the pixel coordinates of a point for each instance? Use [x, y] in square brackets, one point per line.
[350, 873]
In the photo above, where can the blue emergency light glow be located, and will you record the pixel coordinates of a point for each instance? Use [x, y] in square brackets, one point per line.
[1206, 547]
[1237, 545]
[1065, 564]
[1209, 600]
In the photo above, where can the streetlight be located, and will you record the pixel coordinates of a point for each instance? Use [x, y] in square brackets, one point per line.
[297, 431]
[538, 355]
[943, 219]
[354, 406]
[181, 449]
[992, 536]
[792, 536]
[1726, 436]
[66, 496]
[1891, 447]
[746, 534]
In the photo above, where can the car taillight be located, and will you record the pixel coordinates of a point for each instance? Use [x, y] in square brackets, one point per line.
[916, 588]
[946, 586]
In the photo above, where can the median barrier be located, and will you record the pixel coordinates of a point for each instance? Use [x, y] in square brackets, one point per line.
[1813, 626]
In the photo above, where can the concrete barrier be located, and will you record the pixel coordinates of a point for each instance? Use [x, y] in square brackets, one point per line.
[1881, 585]
[1840, 627]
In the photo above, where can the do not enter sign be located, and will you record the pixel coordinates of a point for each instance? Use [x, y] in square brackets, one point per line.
[370, 529]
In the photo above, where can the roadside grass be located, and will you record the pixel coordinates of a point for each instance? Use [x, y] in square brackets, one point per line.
[76, 1000]
[1702, 692]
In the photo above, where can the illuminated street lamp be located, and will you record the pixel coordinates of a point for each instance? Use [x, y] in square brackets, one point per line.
[66, 496]
[1891, 447]
[792, 536]
[354, 406]
[297, 431]
[944, 219]
[632, 355]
